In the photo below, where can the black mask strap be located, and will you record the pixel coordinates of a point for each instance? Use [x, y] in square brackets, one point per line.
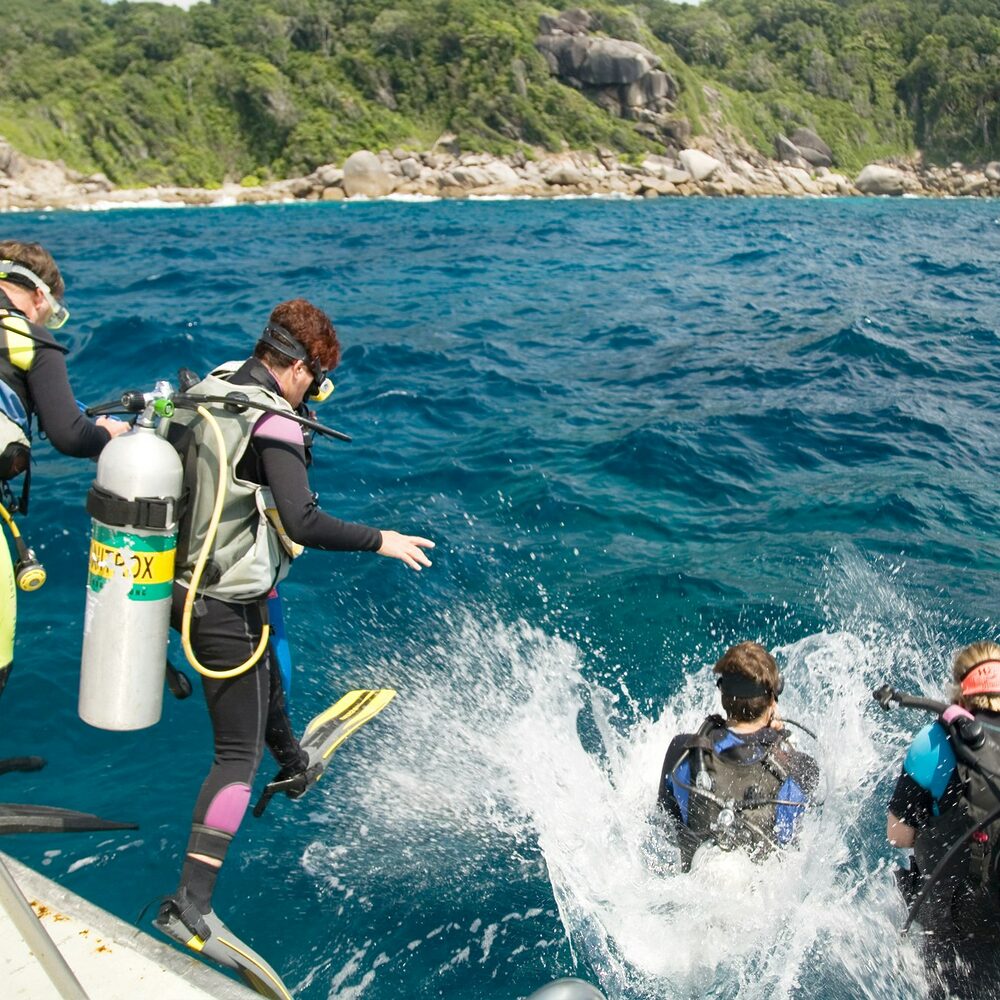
[278, 339]
[739, 686]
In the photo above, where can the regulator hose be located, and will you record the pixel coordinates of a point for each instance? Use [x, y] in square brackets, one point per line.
[29, 572]
[199, 568]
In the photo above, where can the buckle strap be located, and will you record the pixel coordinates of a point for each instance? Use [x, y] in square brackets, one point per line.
[145, 513]
[188, 914]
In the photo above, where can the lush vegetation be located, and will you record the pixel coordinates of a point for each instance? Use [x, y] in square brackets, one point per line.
[267, 88]
[873, 75]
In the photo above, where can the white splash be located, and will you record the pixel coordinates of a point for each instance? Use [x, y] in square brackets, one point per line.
[487, 756]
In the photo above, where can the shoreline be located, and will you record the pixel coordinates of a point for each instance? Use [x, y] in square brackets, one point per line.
[123, 205]
[29, 185]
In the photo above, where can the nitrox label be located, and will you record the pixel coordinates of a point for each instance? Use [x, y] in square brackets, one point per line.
[146, 562]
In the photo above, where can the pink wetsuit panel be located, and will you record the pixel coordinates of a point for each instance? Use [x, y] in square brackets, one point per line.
[275, 427]
[227, 808]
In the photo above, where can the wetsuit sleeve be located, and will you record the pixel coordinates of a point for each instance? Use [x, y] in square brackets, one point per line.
[58, 415]
[911, 803]
[283, 464]
[795, 795]
[665, 799]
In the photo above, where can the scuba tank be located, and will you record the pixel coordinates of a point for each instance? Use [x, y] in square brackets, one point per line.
[740, 796]
[134, 504]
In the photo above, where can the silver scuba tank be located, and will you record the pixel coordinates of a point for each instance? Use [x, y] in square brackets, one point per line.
[134, 504]
[568, 989]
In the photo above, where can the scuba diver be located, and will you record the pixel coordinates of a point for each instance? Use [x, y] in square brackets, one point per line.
[737, 782]
[268, 513]
[945, 808]
[33, 383]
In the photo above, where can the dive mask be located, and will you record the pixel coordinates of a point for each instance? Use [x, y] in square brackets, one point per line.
[321, 391]
[279, 339]
[20, 275]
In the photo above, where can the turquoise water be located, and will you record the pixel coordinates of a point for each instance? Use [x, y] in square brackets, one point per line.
[638, 432]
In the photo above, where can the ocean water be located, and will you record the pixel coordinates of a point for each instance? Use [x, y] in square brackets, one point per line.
[638, 432]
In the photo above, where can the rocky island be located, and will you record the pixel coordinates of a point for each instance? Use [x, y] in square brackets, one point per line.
[659, 129]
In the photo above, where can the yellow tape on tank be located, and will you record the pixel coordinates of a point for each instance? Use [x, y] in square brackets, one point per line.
[144, 562]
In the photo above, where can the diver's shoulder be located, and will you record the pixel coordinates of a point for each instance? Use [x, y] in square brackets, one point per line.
[930, 758]
[16, 322]
[675, 750]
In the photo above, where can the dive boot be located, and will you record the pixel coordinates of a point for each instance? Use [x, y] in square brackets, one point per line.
[207, 935]
[322, 736]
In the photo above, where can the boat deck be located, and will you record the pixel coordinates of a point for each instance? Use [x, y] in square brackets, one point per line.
[112, 959]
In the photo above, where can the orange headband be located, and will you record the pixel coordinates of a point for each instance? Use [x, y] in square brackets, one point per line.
[983, 678]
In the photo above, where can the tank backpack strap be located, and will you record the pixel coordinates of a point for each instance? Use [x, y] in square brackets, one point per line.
[701, 751]
[772, 762]
[980, 858]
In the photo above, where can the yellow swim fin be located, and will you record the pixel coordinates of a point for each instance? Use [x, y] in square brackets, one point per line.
[321, 738]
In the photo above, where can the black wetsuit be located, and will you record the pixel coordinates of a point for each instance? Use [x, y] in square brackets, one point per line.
[961, 927]
[44, 390]
[40, 385]
[249, 711]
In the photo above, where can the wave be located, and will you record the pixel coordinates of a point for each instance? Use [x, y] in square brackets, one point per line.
[750, 256]
[965, 268]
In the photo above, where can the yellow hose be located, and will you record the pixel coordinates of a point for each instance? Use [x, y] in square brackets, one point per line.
[199, 568]
[29, 573]
[5, 514]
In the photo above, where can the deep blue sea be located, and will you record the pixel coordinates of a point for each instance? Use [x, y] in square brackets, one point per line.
[638, 432]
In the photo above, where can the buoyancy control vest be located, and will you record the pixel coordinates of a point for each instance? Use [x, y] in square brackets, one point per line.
[250, 554]
[968, 889]
[736, 791]
[17, 354]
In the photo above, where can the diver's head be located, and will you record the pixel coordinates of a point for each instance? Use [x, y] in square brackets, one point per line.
[976, 672]
[299, 345]
[749, 682]
[32, 282]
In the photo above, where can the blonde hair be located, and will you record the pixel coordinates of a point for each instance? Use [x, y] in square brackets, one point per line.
[965, 660]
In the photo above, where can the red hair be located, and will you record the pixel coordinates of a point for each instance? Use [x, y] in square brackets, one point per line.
[312, 328]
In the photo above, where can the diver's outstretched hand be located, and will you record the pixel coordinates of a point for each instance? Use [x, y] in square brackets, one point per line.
[408, 548]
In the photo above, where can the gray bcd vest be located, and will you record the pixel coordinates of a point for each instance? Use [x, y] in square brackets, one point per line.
[718, 778]
[248, 556]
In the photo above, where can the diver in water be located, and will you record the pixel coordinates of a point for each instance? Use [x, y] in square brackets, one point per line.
[737, 782]
[269, 512]
[34, 382]
[942, 803]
